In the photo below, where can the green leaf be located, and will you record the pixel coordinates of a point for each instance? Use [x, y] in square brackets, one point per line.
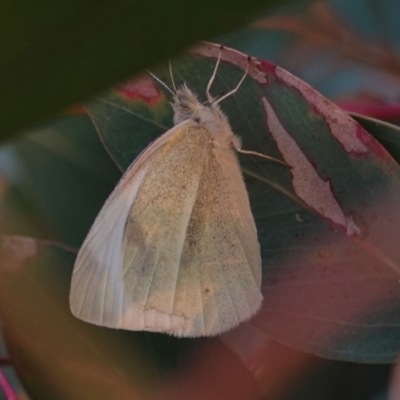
[387, 134]
[56, 53]
[328, 227]
[57, 178]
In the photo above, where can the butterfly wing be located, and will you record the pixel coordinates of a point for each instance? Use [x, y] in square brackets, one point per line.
[175, 247]
[192, 259]
[97, 293]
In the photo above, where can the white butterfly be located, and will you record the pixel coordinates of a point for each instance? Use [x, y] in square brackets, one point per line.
[174, 248]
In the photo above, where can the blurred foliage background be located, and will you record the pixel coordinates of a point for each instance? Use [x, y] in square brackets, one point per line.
[57, 55]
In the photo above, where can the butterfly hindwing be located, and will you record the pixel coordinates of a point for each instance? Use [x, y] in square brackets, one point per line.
[190, 249]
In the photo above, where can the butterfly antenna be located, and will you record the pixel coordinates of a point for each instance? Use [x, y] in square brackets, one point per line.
[210, 82]
[161, 82]
[233, 91]
[171, 75]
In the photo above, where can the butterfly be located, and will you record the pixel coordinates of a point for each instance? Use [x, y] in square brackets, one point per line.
[174, 248]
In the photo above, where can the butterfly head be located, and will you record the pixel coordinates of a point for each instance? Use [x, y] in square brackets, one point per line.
[187, 106]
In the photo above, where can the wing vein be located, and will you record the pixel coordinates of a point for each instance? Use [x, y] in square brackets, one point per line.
[229, 291]
[183, 242]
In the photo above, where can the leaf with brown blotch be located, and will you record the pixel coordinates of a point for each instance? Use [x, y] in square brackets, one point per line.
[328, 227]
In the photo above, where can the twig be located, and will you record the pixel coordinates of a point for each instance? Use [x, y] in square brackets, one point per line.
[6, 387]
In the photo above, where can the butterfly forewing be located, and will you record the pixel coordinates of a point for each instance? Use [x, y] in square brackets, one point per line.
[97, 294]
